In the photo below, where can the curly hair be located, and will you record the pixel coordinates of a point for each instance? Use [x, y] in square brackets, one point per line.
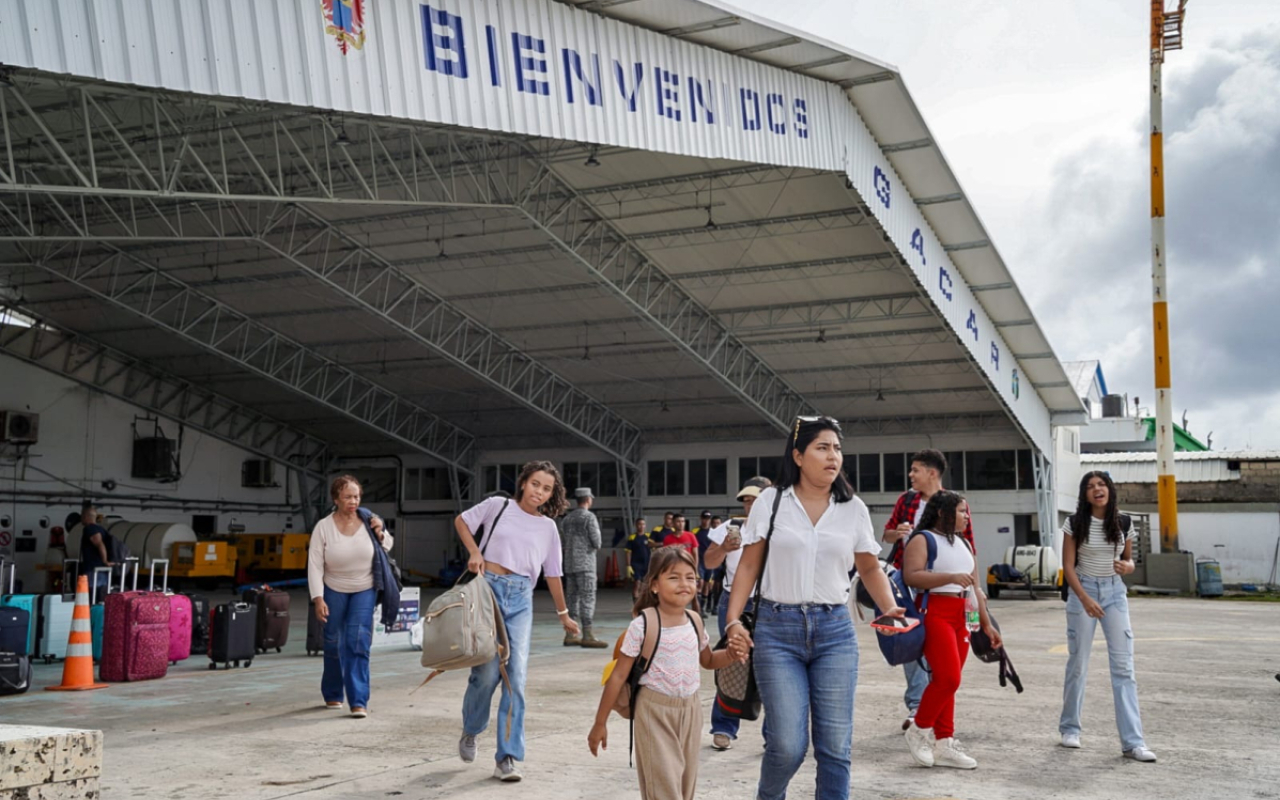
[664, 560]
[939, 514]
[1084, 512]
[556, 504]
[340, 483]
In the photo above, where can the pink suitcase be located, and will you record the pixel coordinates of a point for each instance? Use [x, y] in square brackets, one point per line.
[135, 637]
[180, 613]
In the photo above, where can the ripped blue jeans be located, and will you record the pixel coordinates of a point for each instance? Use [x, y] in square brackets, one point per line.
[348, 636]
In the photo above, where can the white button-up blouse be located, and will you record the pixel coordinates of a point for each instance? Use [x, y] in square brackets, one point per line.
[809, 563]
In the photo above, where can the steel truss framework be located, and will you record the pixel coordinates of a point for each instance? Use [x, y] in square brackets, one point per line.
[203, 151]
[116, 374]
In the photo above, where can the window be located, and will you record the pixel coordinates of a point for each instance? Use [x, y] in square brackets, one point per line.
[895, 472]
[708, 476]
[990, 470]
[851, 469]
[1026, 470]
[666, 478]
[427, 483]
[765, 466]
[868, 472]
[601, 477]
[501, 477]
[954, 477]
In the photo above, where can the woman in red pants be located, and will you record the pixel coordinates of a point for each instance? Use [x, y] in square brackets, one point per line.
[931, 737]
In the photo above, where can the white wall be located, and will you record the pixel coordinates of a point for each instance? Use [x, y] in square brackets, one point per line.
[1248, 531]
[86, 438]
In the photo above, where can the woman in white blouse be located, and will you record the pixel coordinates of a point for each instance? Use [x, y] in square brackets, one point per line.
[806, 653]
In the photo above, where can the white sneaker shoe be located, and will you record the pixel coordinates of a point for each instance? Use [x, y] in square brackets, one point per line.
[920, 744]
[506, 770]
[467, 748]
[947, 753]
[1071, 741]
[721, 742]
[1140, 754]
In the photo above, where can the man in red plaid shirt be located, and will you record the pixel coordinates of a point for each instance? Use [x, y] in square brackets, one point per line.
[927, 469]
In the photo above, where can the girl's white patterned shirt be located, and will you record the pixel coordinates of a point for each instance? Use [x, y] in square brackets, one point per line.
[676, 671]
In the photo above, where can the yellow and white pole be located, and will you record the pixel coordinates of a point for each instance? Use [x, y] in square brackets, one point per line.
[1167, 488]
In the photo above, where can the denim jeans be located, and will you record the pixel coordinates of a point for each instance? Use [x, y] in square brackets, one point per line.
[806, 664]
[917, 682]
[721, 722]
[1110, 593]
[514, 594]
[348, 636]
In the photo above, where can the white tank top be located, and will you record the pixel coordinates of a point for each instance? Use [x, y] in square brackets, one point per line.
[952, 557]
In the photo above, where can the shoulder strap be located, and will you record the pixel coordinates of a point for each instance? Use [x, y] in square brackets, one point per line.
[652, 637]
[1125, 524]
[494, 525]
[698, 630]
[904, 502]
[773, 517]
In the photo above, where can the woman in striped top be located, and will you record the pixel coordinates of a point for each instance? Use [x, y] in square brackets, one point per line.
[1097, 551]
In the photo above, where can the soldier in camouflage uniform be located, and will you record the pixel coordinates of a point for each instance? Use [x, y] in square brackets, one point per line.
[580, 535]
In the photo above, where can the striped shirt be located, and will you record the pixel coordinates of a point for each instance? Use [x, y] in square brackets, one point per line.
[1097, 555]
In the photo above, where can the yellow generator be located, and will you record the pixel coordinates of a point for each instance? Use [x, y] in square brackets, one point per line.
[272, 552]
[203, 559]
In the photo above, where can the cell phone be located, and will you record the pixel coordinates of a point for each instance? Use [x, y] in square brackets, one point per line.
[894, 624]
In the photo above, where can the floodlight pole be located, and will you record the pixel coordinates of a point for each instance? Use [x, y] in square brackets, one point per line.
[1166, 34]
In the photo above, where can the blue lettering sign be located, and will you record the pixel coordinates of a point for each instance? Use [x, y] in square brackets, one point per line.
[697, 99]
[495, 74]
[917, 244]
[629, 95]
[1016, 388]
[573, 69]
[667, 91]
[995, 355]
[750, 102]
[530, 62]
[881, 183]
[446, 50]
[776, 125]
[944, 283]
[802, 119]
[972, 324]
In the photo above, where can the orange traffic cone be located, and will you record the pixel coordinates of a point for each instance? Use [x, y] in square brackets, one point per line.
[77, 670]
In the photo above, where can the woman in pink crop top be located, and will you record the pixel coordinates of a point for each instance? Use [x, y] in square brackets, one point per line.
[520, 540]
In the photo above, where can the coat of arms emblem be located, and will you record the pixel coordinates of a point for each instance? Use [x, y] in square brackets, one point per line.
[345, 22]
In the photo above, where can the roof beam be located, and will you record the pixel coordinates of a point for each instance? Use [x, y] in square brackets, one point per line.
[975, 245]
[765, 46]
[903, 146]
[146, 290]
[992, 287]
[829, 61]
[421, 315]
[1015, 323]
[702, 27]
[878, 308]
[104, 369]
[940, 198]
[866, 80]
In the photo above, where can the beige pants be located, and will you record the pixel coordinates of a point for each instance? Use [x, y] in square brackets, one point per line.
[668, 735]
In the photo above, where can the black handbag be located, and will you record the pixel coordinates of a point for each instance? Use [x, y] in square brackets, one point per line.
[980, 646]
[737, 695]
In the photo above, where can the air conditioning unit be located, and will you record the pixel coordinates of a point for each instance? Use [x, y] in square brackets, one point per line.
[258, 473]
[19, 427]
[155, 458]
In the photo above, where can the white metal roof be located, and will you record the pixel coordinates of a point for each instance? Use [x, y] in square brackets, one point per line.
[1200, 467]
[784, 240]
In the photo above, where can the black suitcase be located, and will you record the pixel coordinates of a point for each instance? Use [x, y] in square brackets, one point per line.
[15, 673]
[231, 632]
[273, 618]
[315, 632]
[199, 623]
[15, 629]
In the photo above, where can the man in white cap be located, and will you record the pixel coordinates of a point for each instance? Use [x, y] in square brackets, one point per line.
[580, 535]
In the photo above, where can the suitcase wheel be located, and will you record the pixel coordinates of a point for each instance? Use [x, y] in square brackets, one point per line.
[247, 663]
[212, 665]
[279, 650]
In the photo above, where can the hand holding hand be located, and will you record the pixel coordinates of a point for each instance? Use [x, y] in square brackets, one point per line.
[740, 640]
[598, 738]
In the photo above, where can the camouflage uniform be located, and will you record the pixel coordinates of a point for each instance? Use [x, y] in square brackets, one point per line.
[580, 535]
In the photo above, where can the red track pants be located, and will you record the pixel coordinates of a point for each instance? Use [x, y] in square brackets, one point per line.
[946, 646]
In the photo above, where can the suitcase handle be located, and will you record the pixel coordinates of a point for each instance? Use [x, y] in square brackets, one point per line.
[124, 571]
[93, 590]
[165, 583]
[70, 577]
[13, 574]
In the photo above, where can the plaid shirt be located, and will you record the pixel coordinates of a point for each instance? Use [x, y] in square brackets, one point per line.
[905, 511]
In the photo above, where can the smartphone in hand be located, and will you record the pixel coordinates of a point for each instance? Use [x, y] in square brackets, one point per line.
[894, 624]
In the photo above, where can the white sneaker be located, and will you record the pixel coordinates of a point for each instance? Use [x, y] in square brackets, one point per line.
[467, 748]
[1071, 741]
[506, 771]
[1140, 754]
[947, 753]
[721, 741]
[920, 744]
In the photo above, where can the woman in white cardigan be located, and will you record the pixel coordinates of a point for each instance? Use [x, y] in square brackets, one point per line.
[340, 577]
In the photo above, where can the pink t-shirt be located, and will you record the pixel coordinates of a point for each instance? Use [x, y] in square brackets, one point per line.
[676, 671]
[523, 543]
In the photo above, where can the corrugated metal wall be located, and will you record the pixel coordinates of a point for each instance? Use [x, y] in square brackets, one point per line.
[515, 66]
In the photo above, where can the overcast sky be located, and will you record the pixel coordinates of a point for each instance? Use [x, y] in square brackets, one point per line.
[1041, 110]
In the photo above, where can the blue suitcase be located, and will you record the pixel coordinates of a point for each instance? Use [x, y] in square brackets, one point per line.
[29, 603]
[13, 630]
[97, 609]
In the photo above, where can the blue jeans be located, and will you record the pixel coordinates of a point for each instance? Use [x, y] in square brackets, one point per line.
[348, 636]
[1110, 593]
[721, 722]
[806, 664]
[514, 594]
[917, 681]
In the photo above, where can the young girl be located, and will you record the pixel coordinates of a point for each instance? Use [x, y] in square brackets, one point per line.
[1097, 551]
[931, 735]
[667, 711]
